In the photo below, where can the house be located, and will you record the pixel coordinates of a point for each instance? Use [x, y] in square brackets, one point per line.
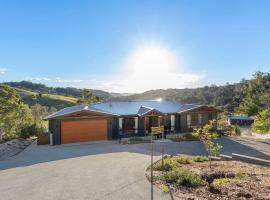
[111, 120]
[240, 120]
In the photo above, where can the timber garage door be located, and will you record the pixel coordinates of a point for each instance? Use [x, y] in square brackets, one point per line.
[83, 130]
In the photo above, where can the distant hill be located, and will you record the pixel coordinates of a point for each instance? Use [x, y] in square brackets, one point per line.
[58, 97]
[227, 97]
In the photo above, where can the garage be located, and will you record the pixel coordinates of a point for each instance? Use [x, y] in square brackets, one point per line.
[83, 130]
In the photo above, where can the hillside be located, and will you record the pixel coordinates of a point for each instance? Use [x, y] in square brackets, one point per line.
[52, 100]
[227, 97]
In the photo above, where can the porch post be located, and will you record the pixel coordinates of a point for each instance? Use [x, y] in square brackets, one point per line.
[136, 124]
[172, 122]
[120, 123]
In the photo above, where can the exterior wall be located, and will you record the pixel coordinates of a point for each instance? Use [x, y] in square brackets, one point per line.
[183, 120]
[141, 126]
[55, 129]
[177, 123]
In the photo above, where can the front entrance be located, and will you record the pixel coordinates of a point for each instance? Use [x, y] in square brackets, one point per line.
[153, 121]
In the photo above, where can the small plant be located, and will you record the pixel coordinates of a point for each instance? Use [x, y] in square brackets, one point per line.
[236, 130]
[208, 136]
[200, 159]
[164, 188]
[183, 160]
[183, 178]
[169, 164]
[222, 181]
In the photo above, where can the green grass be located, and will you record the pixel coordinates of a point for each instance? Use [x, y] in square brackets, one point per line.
[200, 159]
[25, 92]
[61, 97]
[58, 101]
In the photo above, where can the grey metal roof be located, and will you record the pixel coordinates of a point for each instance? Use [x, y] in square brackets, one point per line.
[75, 109]
[123, 108]
[240, 117]
[132, 107]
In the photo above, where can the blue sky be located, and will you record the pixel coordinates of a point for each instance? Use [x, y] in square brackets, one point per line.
[133, 46]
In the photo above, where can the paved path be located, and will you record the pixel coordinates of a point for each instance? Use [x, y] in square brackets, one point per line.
[93, 171]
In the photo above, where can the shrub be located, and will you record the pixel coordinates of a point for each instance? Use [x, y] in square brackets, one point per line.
[221, 181]
[168, 165]
[200, 159]
[165, 188]
[171, 163]
[183, 178]
[236, 130]
[262, 122]
[183, 160]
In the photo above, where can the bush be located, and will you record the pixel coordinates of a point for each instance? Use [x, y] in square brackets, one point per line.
[33, 129]
[183, 160]
[200, 159]
[262, 122]
[165, 188]
[183, 178]
[236, 130]
[171, 163]
[221, 181]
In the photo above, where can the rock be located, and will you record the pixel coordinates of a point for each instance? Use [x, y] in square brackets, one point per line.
[244, 194]
[214, 190]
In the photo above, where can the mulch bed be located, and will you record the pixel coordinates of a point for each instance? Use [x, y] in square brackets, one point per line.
[254, 181]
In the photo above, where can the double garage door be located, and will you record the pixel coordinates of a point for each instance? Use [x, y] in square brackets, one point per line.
[83, 130]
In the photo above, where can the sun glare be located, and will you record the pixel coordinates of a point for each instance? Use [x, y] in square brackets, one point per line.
[152, 59]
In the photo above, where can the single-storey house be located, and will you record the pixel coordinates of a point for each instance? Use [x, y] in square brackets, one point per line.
[111, 120]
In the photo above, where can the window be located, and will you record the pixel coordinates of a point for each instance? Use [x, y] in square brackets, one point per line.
[210, 116]
[192, 120]
[128, 123]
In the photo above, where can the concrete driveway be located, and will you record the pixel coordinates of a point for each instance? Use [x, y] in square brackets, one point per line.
[104, 170]
[83, 171]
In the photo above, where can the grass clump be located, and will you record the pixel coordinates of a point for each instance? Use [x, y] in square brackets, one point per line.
[171, 163]
[200, 159]
[181, 177]
[182, 160]
[164, 188]
[222, 181]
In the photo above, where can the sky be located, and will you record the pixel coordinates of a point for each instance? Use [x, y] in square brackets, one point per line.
[133, 46]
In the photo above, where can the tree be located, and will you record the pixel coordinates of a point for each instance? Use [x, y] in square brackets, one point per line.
[88, 97]
[262, 122]
[256, 94]
[208, 137]
[14, 114]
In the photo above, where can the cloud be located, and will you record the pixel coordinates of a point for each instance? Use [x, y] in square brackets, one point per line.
[3, 71]
[59, 80]
[39, 79]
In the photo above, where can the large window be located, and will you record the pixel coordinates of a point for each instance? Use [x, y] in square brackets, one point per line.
[192, 120]
[128, 123]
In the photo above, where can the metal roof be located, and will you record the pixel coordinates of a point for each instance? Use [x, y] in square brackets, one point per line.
[122, 108]
[240, 117]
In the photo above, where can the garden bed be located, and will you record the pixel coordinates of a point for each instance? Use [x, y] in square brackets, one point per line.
[13, 147]
[192, 178]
